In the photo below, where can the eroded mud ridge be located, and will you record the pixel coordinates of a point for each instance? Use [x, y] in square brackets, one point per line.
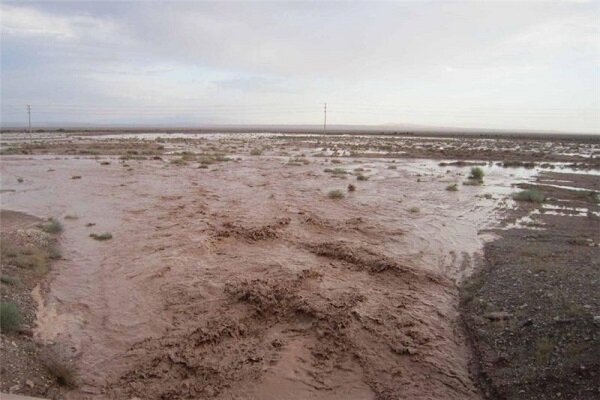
[352, 326]
[330, 333]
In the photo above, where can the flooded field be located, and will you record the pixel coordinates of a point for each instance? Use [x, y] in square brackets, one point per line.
[275, 266]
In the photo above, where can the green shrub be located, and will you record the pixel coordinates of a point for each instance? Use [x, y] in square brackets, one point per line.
[476, 174]
[101, 236]
[10, 280]
[335, 194]
[530, 195]
[62, 370]
[179, 161]
[10, 317]
[52, 226]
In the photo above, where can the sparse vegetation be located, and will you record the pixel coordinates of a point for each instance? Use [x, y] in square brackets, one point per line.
[361, 177]
[338, 171]
[52, 226]
[61, 369]
[529, 195]
[178, 161]
[414, 210]
[476, 174]
[10, 317]
[452, 188]
[10, 280]
[101, 236]
[335, 194]
[256, 152]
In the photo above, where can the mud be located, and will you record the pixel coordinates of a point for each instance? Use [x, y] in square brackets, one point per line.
[242, 279]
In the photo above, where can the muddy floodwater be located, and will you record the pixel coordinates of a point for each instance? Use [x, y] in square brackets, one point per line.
[245, 280]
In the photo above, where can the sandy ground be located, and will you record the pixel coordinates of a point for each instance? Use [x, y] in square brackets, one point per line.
[246, 280]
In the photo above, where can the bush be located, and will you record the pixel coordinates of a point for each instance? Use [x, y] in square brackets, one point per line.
[335, 194]
[178, 161]
[351, 188]
[101, 236]
[61, 369]
[256, 152]
[476, 174]
[452, 188]
[361, 177]
[10, 317]
[10, 280]
[52, 226]
[530, 195]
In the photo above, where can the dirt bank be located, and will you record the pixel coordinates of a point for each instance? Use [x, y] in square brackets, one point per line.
[28, 246]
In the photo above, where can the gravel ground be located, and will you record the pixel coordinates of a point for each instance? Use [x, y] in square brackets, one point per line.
[533, 310]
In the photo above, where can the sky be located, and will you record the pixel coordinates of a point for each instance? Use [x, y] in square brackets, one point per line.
[493, 65]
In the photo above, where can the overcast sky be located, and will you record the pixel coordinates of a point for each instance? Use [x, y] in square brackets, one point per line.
[511, 65]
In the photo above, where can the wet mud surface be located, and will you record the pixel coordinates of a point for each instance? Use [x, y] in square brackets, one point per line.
[236, 276]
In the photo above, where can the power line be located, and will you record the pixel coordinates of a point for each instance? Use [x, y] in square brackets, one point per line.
[325, 118]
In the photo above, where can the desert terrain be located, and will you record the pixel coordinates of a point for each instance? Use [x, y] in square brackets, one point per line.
[235, 265]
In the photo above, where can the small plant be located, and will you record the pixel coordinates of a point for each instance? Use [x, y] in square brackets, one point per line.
[392, 167]
[10, 280]
[351, 188]
[61, 369]
[414, 210]
[52, 226]
[101, 236]
[76, 177]
[20, 180]
[529, 195]
[10, 317]
[476, 174]
[255, 152]
[34, 260]
[361, 177]
[335, 194]
[179, 161]
[71, 216]
[452, 188]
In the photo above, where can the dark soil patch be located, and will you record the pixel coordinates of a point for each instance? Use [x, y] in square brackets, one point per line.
[532, 312]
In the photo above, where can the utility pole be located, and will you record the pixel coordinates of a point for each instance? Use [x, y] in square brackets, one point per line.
[29, 118]
[325, 119]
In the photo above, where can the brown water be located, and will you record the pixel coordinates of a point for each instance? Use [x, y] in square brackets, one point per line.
[246, 281]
